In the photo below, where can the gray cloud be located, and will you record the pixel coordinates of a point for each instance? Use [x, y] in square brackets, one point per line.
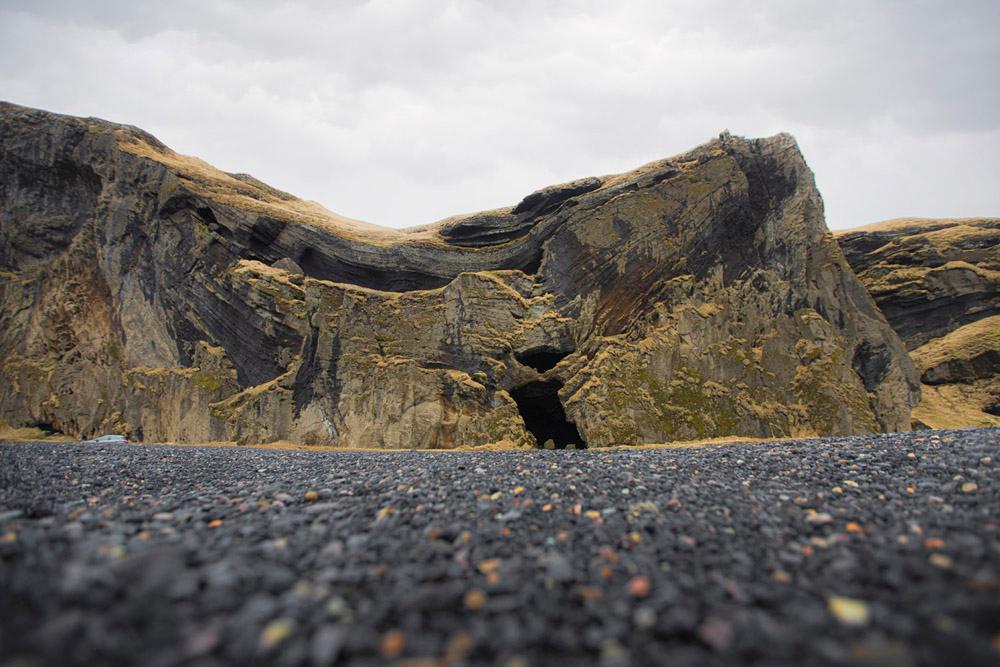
[401, 113]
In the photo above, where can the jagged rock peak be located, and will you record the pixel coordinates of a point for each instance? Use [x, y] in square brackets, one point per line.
[695, 296]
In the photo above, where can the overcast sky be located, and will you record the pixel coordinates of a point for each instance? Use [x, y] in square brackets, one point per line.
[401, 113]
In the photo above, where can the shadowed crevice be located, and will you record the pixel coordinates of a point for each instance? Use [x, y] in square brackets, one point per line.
[544, 416]
[541, 358]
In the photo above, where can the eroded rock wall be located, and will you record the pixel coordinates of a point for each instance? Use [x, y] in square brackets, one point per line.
[147, 293]
[938, 283]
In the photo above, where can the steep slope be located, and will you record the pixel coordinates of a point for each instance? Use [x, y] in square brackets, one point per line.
[148, 293]
[938, 283]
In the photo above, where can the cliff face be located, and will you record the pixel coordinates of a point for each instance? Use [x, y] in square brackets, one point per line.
[148, 293]
[938, 283]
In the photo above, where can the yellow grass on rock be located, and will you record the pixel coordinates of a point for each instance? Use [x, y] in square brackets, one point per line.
[914, 225]
[966, 342]
[955, 405]
[29, 434]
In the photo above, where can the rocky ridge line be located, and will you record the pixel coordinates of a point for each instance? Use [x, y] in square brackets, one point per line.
[147, 293]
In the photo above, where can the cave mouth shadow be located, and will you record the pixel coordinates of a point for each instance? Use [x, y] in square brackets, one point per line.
[541, 358]
[544, 416]
[45, 427]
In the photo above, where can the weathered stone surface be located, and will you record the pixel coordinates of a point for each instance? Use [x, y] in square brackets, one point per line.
[938, 283]
[928, 276]
[146, 292]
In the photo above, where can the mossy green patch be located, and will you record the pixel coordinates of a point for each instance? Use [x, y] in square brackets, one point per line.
[824, 389]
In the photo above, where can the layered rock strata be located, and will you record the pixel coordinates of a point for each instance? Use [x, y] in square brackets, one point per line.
[147, 293]
[938, 283]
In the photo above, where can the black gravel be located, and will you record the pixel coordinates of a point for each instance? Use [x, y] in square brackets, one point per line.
[740, 554]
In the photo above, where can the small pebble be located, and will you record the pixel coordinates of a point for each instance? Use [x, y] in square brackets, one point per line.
[819, 518]
[940, 560]
[276, 632]
[639, 587]
[475, 599]
[848, 611]
[392, 644]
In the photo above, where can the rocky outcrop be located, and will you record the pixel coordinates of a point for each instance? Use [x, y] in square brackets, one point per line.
[938, 283]
[928, 276]
[148, 293]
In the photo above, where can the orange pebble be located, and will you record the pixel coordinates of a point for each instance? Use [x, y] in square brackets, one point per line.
[639, 587]
[392, 644]
[608, 554]
[475, 599]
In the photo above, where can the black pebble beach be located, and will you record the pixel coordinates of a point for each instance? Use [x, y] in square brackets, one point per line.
[871, 550]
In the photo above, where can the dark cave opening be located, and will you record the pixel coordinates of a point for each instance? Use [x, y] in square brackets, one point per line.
[48, 428]
[541, 358]
[543, 414]
[531, 266]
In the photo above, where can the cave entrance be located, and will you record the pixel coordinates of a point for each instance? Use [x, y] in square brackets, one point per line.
[543, 414]
[45, 427]
[541, 358]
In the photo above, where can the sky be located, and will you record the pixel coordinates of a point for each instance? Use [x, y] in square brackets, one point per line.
[403, 113]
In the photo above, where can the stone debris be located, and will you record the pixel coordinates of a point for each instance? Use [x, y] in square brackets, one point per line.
[691, 566]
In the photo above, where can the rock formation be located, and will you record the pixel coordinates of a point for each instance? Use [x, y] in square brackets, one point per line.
[938, 283]
[147, 293]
